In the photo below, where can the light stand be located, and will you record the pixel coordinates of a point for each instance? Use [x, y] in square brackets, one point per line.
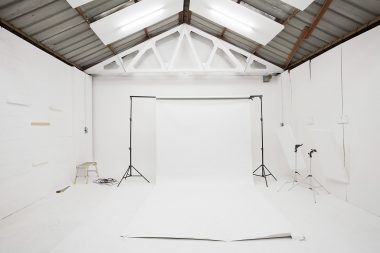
[312, 179]
[265, 172]
[296, 173]
[311, 182]
[131, 168]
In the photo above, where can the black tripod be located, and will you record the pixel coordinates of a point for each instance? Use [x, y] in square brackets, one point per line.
[131, 168]
[265, 172]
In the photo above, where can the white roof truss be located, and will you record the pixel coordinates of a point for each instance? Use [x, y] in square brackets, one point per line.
[184, 49]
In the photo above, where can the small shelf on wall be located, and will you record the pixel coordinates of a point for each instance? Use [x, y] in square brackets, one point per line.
[40, 123]
[17, 102]
[39, 163]
[55, 108]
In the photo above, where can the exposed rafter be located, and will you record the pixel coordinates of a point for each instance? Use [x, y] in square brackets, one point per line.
[84, 16]
[67, 37]
[306, 32]
[110, 11]
[184, 17]
[222, 33]
[296, 46]
[284, 23]
[147, 35]
[360, 29]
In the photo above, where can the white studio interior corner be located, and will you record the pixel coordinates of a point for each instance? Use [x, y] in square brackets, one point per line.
[189, 126]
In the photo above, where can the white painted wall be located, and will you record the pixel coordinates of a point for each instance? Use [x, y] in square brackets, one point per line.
[82, 116]
[361, 103]
[111, 113]
[35, 87]
[317, 99]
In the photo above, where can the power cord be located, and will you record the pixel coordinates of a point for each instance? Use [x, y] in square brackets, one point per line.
[106, 181]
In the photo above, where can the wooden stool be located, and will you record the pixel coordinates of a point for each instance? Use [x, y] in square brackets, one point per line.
[85, 166]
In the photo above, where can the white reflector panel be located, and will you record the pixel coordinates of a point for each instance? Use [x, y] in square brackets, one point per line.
[299, 4]
[238, 18]
[135, 18]
[76, 3]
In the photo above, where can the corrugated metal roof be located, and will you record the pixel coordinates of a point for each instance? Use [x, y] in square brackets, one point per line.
[56, 27]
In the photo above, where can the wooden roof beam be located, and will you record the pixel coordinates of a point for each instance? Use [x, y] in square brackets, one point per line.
[147, 35]
[85, 18]
[357, 31]
[284, 23]
[184, 17]
[307, 31]
[223, 32]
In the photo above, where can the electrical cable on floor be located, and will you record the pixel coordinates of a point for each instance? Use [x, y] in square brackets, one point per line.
[106, 181]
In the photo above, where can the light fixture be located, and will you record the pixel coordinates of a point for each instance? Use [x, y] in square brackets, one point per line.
[134, 18]
[77, 3]
[234, 22]
[299, 4]
[240, 19]
[142, 19]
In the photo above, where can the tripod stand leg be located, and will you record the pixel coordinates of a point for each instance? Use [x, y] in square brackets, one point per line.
[265, 177]
[311, 187]
[256, 169]
[270, 173]
[293, 186]
[294, 182]
[321, 185]
[140, 174]
[315, 198]
[264, 169]
[125, 175]
[283, 185]
[295, 177]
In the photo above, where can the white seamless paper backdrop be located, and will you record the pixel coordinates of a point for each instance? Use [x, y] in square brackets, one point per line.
[204, 184]
[204, 140]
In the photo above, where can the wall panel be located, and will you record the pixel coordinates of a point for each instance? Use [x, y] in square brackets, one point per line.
[37, 120]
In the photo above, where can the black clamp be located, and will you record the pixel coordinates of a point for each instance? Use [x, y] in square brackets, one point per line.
[311, 152]
[297, 146]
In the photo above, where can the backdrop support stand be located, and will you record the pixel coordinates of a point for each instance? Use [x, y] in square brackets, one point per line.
[131, 168]
[265, 172]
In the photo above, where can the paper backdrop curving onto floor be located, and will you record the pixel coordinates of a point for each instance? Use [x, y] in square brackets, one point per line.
[205, 186]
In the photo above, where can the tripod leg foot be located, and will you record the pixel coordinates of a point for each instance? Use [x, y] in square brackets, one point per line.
[140, 174]
[264, 174]
[293, 186]
[256, 169]
[315, 197]
[283, 185]
[125, 175]
[321, 185]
